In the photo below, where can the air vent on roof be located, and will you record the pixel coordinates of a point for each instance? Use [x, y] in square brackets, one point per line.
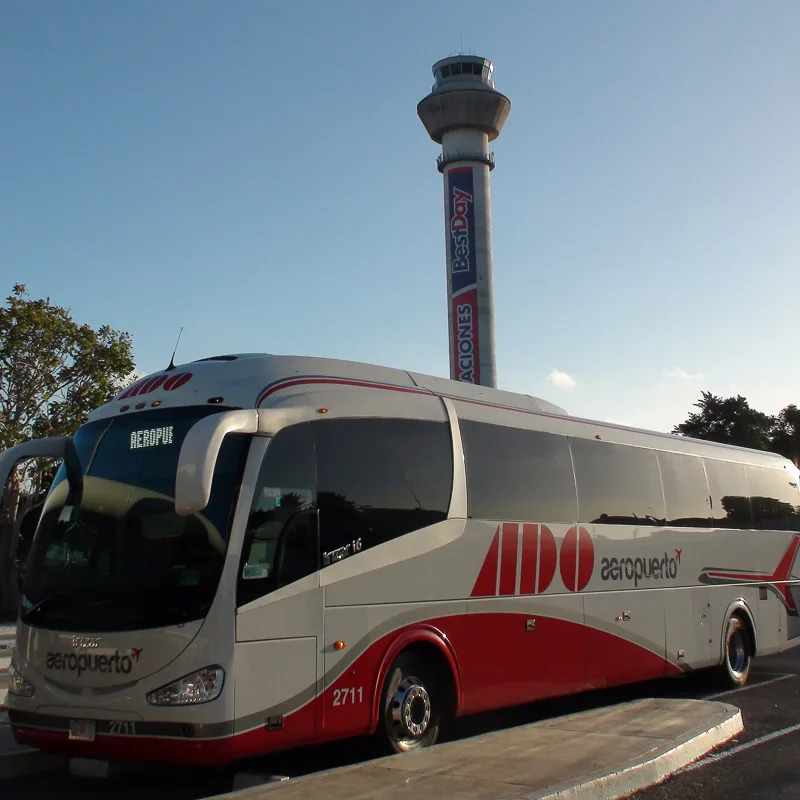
[217, 358]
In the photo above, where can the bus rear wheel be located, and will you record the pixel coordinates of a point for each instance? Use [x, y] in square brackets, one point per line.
[737, 655]
[411, 705]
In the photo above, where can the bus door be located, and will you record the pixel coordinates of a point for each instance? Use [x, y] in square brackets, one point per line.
[690, 627]
[279, 600]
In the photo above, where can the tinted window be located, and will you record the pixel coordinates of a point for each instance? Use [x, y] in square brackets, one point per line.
[775, 499]
[730, 498]
[515, 474]
[280, 543]
[378, 479]
[617, 485]
[685, 490]
[127, 559]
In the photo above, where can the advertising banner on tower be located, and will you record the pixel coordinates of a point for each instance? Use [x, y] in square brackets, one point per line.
[463, 273]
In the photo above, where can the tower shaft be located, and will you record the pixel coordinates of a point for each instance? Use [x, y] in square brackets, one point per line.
[468, 245]
[464, 113]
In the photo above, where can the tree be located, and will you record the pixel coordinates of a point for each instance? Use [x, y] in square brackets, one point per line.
[53, 372]
[785, 433]
[729, 421]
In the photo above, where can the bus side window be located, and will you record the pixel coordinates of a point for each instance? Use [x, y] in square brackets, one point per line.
[685, 490]
[379, 479]
[515, 474]
[730, 497]
[280, 542]
[775, 499]
[617, 484]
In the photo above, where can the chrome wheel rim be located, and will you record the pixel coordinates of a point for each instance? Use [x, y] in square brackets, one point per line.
[411, 711]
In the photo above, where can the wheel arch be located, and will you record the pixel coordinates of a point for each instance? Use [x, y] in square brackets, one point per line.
[420, 637]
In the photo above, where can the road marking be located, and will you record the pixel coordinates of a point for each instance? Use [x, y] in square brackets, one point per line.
[739, 749]
[751, 686]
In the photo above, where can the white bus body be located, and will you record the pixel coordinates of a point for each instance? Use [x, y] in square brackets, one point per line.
[272, 551]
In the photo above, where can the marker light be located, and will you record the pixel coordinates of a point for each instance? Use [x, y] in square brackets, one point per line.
[17, 685]
[202, 686]
[323, 410]
[339, 645]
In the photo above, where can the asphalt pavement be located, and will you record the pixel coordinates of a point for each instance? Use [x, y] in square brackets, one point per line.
[763, 762]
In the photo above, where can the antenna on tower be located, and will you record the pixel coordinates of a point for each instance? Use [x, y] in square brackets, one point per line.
[172, 360]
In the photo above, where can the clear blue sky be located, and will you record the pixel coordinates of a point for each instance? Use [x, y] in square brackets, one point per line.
[256, 172]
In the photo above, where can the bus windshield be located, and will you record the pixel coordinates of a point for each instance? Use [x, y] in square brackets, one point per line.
[126, 560]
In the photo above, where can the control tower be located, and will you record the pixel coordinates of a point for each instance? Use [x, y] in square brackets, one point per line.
[463, 113]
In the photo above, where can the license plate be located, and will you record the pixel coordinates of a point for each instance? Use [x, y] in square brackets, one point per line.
[82, 730]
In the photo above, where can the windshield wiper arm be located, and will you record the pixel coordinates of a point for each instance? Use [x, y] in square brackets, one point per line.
[47, 601]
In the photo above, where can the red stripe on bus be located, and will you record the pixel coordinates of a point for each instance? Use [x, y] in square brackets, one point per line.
[778, 579]
[499, 662]
[486, 582]
[530, 543]
[508, 559]
[548, 556]
[568, 560]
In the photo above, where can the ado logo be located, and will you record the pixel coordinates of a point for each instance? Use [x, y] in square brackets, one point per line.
[522, 559]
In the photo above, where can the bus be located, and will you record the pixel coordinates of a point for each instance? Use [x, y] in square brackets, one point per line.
[250, 553]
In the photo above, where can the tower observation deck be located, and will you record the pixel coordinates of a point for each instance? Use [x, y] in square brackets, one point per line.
[463, 113]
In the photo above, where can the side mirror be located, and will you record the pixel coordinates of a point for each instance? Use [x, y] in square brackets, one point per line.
[50, 447]
[200, 448]
[198, 456]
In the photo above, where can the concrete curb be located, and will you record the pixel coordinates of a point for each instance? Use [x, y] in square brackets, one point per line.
[624, 779]
[635, 775]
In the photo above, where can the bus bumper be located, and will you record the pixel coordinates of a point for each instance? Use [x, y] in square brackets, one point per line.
[51, 735]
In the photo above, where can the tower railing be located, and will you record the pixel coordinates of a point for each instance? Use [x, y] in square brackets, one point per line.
[484, 158]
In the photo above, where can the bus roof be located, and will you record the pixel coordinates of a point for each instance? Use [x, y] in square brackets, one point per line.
[262, 380]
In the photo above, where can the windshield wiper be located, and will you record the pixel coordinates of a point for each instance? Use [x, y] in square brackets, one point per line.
[48, 601]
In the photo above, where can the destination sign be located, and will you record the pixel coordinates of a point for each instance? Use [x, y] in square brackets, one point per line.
[151, 437]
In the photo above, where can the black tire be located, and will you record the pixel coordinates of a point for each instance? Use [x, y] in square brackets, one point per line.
[735, 668]
[412, 705]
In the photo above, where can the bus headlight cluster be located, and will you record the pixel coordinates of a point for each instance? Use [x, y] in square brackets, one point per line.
[17, 685]
[199, 687]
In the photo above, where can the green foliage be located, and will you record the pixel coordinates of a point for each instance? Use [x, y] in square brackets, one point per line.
[786, 433]
[728, 420]
[53, 370]
[731, 420]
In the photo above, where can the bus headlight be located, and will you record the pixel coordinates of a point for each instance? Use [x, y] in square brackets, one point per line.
[199, 687]
[17, 685]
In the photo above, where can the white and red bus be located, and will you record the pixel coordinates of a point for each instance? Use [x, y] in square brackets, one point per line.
[250, 553]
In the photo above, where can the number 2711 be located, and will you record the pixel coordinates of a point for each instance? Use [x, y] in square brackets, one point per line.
[343, 697]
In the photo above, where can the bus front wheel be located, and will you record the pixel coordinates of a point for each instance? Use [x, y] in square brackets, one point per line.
[411, 705]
